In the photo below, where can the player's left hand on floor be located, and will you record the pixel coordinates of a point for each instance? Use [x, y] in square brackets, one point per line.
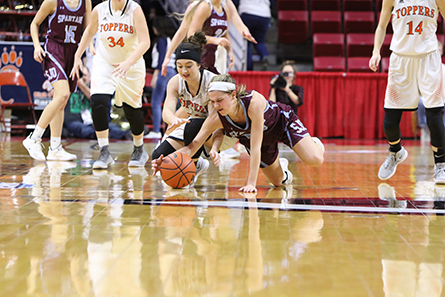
[248, 189]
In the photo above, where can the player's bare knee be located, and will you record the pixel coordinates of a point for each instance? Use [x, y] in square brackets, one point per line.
[62, 97]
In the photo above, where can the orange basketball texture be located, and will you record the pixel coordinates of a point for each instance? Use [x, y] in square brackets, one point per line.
[178, 170]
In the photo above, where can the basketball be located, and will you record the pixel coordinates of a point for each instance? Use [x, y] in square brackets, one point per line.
[178, 170]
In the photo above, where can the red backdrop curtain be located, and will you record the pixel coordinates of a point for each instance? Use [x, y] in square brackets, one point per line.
[348, 105]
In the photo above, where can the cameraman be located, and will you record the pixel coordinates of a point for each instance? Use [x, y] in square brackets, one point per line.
[282, 88]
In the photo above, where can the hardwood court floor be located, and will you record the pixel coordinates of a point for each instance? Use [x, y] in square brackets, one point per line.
[66, 230]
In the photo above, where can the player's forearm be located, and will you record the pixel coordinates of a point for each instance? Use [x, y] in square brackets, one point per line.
[217, 139]
[168, 116]
[236, 19]
[139, 52]
[34, 30]
[84, 42]
[378, 40]
[177, 38]
[254, 167]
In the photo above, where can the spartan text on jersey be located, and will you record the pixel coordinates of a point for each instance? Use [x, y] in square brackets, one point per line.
[415, 10]
[218, 22]
[117, 27]
[192, 105]
[69, 18]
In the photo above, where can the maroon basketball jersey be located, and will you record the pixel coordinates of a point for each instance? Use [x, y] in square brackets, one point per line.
[216, 26]
[274, 122]
[65, 24]
[281, 124]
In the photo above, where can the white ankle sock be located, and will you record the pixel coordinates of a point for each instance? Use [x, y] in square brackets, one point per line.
[55, 142]
[138, 142]
[102, 142]
[37, 134]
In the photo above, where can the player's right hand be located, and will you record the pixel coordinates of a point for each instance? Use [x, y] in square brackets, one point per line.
[39, 54]
[374, 62]
[156, 164]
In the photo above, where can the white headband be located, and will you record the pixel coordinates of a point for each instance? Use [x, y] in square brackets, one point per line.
[222, 86]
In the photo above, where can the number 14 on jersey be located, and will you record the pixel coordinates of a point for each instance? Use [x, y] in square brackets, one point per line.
[418, 29]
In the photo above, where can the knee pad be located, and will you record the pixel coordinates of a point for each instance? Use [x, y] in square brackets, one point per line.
[435, 124]
[165, 148]
[99, 108]
[391, 124]
[190, 131]
[135, 117]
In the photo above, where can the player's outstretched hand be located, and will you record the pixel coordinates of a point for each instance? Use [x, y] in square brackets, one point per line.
[215, 157]
[156, 164]
[76, 67]
[248, 36]
[178, 122]
[248, 189]
[374, 62]
[39, 54]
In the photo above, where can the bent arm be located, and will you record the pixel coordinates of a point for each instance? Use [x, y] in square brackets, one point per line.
[140, 25]
[171, 99]
[211, 124]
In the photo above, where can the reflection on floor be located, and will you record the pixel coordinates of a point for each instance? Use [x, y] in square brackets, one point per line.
[68, 230]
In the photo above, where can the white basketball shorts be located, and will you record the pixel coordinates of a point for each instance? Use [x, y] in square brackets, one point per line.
[412, 77]
[128, 89]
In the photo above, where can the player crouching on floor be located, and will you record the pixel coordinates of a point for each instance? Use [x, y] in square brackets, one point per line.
[259, 124]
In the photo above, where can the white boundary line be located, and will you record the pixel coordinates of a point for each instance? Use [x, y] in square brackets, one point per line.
[285, 206]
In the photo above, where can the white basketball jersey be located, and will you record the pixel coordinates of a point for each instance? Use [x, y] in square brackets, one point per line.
[196, 106]
[116, 30]
[414, 24]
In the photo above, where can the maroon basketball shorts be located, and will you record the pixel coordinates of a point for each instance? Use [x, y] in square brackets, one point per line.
[290, 132]
[58, 62]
